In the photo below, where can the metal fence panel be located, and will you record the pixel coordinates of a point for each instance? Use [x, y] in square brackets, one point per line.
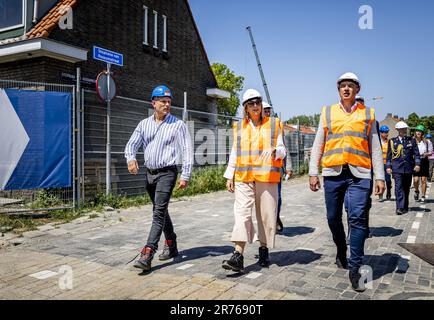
[16, 202]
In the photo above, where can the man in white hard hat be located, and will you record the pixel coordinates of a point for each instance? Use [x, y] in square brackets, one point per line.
[349, 147]
[402, 158]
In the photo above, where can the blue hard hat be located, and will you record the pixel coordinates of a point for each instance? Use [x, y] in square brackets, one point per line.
[161, 91]
[384, 129]
[428, 136]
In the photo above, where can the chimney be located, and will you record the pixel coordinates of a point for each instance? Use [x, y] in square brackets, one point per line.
[395, 117]
[389, 116]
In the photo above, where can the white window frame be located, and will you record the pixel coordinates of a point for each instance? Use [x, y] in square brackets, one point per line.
[22, 21]
[145, 25]
[155, 29]
[164, 33]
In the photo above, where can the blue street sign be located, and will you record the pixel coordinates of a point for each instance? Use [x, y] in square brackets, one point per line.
[108, 56]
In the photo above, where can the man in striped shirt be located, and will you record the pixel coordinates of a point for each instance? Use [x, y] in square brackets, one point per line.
[164, 139]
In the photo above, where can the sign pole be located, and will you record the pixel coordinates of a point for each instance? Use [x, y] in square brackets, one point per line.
[108, 151]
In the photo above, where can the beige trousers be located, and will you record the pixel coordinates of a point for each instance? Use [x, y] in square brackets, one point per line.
[264, 197]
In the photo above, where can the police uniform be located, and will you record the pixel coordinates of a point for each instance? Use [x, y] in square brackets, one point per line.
[402, 157]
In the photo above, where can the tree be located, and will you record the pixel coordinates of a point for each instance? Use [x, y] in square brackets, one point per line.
[229, 81]
[414, 120]
[308, 121]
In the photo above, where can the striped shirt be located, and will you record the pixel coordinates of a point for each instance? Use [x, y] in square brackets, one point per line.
[163, 144]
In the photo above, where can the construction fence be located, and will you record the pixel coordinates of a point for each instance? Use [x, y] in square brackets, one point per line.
[211, 137]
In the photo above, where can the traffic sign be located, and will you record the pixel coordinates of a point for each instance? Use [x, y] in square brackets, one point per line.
[108, 56]
[102, 87]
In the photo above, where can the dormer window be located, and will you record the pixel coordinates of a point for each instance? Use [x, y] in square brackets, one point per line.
[11, 14]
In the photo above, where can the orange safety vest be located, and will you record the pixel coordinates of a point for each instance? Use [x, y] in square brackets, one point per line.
[347, 136]
[385, 146]
[250, 144]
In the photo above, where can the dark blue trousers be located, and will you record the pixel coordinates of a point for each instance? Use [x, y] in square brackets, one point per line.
[388, 179]
[402, 189]
[357, 192]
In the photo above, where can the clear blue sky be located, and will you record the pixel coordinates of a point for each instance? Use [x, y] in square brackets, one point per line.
[305, 46]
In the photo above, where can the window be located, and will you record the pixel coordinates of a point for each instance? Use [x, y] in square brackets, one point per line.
[155, 29]
[145, 25]
[164, 34]
[11, 14]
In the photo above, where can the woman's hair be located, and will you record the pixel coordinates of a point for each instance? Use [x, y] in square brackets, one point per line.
[422, 137]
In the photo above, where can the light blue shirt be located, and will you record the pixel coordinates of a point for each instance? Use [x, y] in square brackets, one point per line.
[163, 144]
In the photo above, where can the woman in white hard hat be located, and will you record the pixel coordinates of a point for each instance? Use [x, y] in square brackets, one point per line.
[253, 174]
[402, 160]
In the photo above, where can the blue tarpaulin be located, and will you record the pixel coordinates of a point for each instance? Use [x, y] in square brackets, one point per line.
[46, 160]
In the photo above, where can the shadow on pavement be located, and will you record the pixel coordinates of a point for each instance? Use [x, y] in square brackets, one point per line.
[419, 209]
[191, 254]
[384, 264]
[295, 231]
[385, 232]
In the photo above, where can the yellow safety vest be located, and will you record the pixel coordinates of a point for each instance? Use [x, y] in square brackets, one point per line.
[250, 144]
[385, 146]
[347, 136]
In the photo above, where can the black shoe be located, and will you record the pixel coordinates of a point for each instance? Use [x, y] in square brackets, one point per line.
[145, 260]
[341, 260]
[264, 261]
[416, 195]
[400, 212]
[356, 284]
[388, 195]
[235, 263]
[405, 211]
[279, 226]
[170, 250]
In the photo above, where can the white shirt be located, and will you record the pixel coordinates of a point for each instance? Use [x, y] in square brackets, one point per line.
[280, 154]
[424, 147]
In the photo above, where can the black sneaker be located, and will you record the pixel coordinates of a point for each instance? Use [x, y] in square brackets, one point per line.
[264, 260]
[356, 284]
[145, 260]
[400, 212]
[279, 226]
[235, 263]
[416, 196]
[341, 260]
[170, 250]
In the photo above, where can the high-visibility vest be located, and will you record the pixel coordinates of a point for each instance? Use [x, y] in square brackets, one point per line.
[250, 144]
[385, 146]
[347, 136]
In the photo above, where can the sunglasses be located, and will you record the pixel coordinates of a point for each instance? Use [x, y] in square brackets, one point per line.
[252, 103]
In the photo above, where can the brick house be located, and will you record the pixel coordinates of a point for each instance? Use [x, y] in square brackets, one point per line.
[46, 40]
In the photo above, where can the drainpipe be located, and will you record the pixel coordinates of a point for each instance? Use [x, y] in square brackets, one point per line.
[35, 10]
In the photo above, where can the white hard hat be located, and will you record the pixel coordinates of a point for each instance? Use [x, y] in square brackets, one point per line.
[266, 105]
[401, 125]
[251, 94]
[349, 76]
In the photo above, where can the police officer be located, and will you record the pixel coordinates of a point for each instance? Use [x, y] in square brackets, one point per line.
[347, 143]
[402, 158]
[384, 133]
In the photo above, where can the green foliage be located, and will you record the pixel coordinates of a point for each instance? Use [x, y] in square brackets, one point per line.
[308, 121]
[428, 122]
[45, 199]
[204, 180]
[229, 81]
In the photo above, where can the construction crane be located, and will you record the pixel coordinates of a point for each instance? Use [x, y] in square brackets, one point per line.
[249, 29]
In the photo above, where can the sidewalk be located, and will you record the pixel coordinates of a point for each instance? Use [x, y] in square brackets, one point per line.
[91, 255]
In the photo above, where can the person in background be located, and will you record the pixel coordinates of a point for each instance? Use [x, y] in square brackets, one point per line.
[425, 150]
[430, 157]
[287, 172]
[402, 160]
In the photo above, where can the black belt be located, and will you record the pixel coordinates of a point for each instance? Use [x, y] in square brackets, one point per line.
[165, 169]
